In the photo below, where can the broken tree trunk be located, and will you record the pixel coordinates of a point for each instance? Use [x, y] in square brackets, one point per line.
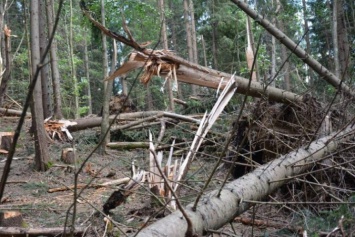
[165, 63]
[54, 231]
[92, 122]
[214, 211]
[12, 112]
[298, 51]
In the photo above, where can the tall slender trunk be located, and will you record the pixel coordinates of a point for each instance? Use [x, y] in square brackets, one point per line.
[87, 73]
[6, 73]
[57, 98]
[214, 39]
[72, 64]
[189, 36]
[335, 38]
[204, 50]
[309, 72]
[287, 81]
[250, 51]
[5, 48]
[343, 42]
[174, 45]
[45, 78]
[164, 39]
[2, 16]
[194, 42]
[273, 48]
[41, 147]
[107, 89]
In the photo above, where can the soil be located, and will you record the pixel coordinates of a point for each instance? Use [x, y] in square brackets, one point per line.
[26, 190]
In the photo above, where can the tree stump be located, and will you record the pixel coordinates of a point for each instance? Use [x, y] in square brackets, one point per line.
[6, 141]
[68, 156]
[11, 219]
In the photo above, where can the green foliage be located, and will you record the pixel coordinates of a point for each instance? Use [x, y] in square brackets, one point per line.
[37, 188]
[327, 220]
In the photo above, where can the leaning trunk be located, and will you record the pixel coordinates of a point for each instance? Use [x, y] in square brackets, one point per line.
[298, 51]
[215, 210]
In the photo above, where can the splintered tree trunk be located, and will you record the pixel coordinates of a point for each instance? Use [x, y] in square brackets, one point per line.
[214, 211]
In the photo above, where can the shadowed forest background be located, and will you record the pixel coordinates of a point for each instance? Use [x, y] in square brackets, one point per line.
[102, 125]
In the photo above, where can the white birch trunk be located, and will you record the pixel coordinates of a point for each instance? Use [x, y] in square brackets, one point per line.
[213, 212]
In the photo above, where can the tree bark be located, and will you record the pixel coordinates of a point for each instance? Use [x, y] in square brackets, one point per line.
[41, 147]
[214, 37]
[84, 123]
[298, 51]
[335, 38]
[105, 136]
[72, 64]
[24, 232]
[343, 42]
[45, 78]
[194, 42]
[87, 73]
[164, 39]
[2, 16]
[5, 76]
[189, 37]
[12, 112]
[57, 100]
[215, 211]
[308, 42]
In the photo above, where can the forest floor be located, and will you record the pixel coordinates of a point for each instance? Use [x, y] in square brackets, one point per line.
[27, 190]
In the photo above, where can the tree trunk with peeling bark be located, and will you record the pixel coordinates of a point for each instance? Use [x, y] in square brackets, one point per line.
[214, 211]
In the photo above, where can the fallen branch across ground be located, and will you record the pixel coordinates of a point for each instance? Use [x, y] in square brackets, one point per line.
[79, 186]
[92, 122]
[12, 112]
[55, 231]
[219, 207]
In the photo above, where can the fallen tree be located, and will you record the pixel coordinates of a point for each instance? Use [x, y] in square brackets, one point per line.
[12, 112]
[219, 207]
[165, 63]
[54, 231]
[91, 122]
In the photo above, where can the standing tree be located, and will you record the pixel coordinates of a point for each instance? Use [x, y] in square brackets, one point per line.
[72, 63]
[57, 105]
[164, 39]
[105, 136]
[5, 57]
[45, 78]
[87, 72]
[40, 139]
